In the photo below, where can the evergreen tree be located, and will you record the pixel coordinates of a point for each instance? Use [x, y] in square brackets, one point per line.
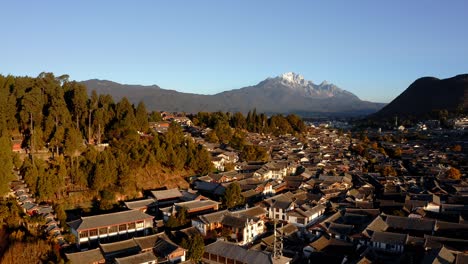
[125, 115]
[30, 174]
[238, 121]
[73, 142]
[141, 115]
[6, 164]
[232, 196]
[78, 104]
[196, 248]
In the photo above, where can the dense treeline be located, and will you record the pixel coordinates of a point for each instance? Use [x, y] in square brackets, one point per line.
[231, 129]
[257, 123]
[54, 113]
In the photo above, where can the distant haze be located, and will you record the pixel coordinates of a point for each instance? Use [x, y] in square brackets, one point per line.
[287, 93]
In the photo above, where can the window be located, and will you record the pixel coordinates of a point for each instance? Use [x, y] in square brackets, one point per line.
[93, 232]
[131, 226]
[123, 227]
[113, 229]
[83, 234]
[140, 224]
[103, 231]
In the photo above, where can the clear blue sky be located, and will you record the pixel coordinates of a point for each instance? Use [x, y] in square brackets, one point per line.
[374, 49]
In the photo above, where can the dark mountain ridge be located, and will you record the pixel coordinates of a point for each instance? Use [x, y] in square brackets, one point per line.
[429, 94]
[288, 93]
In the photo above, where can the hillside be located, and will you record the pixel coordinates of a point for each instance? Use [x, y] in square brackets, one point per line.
[288, 93]
[429, 94]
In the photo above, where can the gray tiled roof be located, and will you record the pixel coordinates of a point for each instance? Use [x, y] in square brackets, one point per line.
[89, 256]
[96, 221]
[237, 221]
[140, 203]
[281, 204]
[442, 226]
[124, 245]
[389, 238]
[406, 223]
[164, 246]
[288, 229]
[215, 217]
[233, 251]
[147, 242]
[190, 205]
[253, 211]
[340, 229]
[167, 194]
[378, 224]
[137, 259]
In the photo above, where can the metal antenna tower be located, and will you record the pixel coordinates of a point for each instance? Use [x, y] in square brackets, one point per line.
[278, 242]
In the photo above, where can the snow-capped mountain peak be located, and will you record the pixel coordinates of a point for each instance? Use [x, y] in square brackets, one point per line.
[297, 84]
[293, 78]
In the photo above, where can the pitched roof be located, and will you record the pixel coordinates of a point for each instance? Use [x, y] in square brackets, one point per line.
[193, 205]
[250, 193]
[323, 242]
[124, 245]
[89, 256]
[186, 233]
[233, 251]
[340, 229]
[378, 224]
[255, 211]
[438, 242]
[439, 256]
[288, 229]
[140, 203]
[96, 221]
[167, 194]
[441, 226]
[164, 246]
[405, 223]
[389, 238]
[235, 221]
[147, 242]
[215, 217]
[137, 259]
[281, 204]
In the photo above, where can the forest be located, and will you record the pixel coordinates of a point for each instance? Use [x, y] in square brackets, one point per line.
[56, 116]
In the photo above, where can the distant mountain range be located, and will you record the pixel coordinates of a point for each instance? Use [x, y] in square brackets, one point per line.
[287, 93]
[429, 94]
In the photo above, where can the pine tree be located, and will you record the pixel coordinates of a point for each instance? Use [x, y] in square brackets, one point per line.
[196, 248]
[141, 115]
[125, 115]
[232, 196]
[6, 164]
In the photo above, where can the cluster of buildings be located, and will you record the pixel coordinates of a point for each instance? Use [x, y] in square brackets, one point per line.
[315, 200]
[26, 201]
